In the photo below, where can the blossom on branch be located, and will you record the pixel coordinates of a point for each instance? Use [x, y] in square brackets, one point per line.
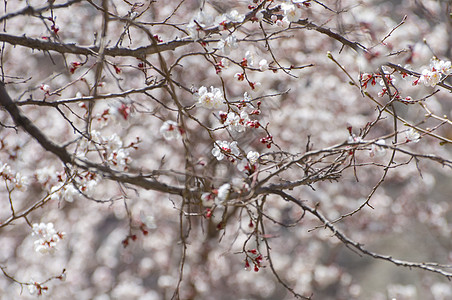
[222, 148]
[412, 135]
[291, 12]
[170, 130]
[212, 99]
[48, 237]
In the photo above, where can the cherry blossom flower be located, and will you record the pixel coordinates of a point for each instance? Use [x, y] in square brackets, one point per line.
[227, 43]
[223, 194]
[260, 15]
[291, 12]
[45, 88]
[240, 185]
[249, 56]
[224, 63]
[434, 74]
[207, 199]
[235, 16]
[69, 192]
[255, 86]
[170, 130]
[430, 78]
[197, 24]
[48, 237]
[412, 135]
[263, 65]
[212, 99]
[20, 182]
[284, 23]
[237, 122]
[148, 220]
[252, 157]
[221, 147]
[36, 288]
[46, 175]
[444, 67]
[376, 149]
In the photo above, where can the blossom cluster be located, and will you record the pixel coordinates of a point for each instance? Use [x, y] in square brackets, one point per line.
[19, 181]
[48, 237]
[112, 149]
[435, 73]
[224, 148]
[171, 130]
[212, 99]
[220, 196]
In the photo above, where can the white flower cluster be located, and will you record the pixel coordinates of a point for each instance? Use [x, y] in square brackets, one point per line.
[223, 147]
[249, 163]
[59, 187]
[66, 191]
[236, 122]
[48, 237]
[170, 130]
[232, 151]
[114, 151]
[227, 43]
[412, 135]
[436, 72]
[223, 193]
[204, 20]
[197, 24]
[378, 149]
[212, 99]
[220, 196]
[217, 197]
[20, 182]
[291, 12]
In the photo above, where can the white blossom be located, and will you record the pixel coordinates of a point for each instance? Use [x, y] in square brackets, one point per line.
[444, 67]
[227, 43]
[433, 75]
[249, 56]
[260, 15]
[223, 193]
[221, 147]
[212, 99]
[148, 220]
[252, 157]
[32, 289]
[202, 19]
[207, 199]
[48, 237]
[376, 149]
[69, 192]
[170, 130]
[412, 135]
[263, 65]
[224, 63]
[291, 12]
[237, 122]
[256, 87]
[284, 23]
[235, 16]
[46, 175]
[430, 78]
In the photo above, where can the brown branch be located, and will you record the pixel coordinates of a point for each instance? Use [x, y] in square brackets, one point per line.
[138, 180]
[29, 10]
[435, 268]
[22, 121]
[91, 50]
[56, 103]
